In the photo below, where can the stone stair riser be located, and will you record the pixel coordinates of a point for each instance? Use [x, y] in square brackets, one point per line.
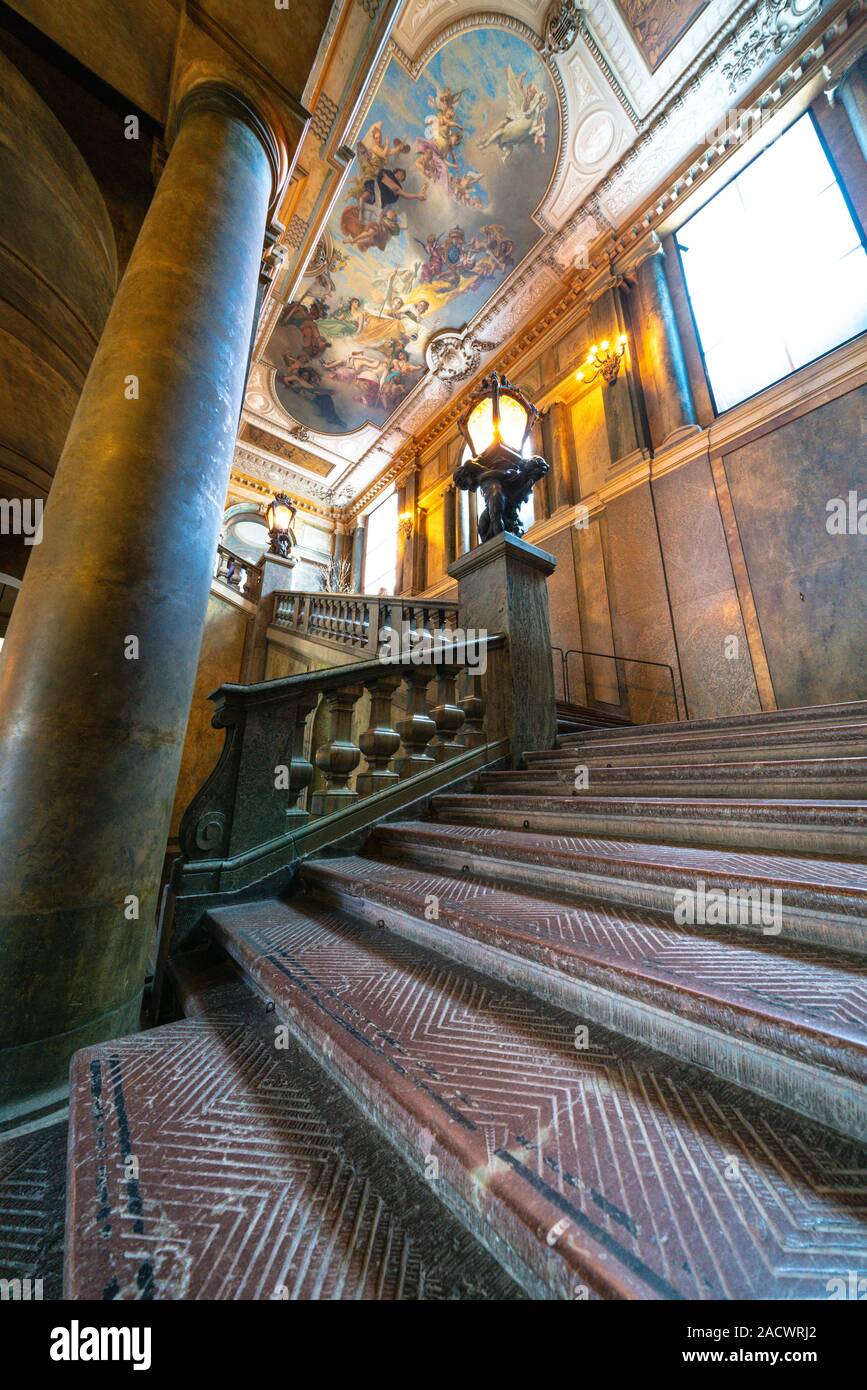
[672, 823]
[835, 1100]
[815, 916]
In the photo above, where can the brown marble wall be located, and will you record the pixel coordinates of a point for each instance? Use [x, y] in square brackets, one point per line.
[714, 653]
[58, 271]
[639, 604]
[593, 679]
[808, 586]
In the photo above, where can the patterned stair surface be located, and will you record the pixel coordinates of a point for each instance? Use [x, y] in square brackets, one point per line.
[206, 1163]
[513, 1064]
[592, 1162]
[789, 1021]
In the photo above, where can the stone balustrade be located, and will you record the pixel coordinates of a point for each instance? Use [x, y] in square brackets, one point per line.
[237, 573]
[414, 721]
[361, 622]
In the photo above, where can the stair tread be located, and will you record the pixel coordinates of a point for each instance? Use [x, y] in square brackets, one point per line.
[843, 876]
[817, 766]
[705, 740]
[802, 1001]
[841, 712]
[590, 1164]
[255, 1173]
[854, 812]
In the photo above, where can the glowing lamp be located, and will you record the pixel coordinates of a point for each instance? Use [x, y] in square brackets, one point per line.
[499, 415]
[279, 515]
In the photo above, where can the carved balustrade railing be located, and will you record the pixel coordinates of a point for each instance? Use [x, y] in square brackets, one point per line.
[263, 807]
[356, 622]
[237, 573]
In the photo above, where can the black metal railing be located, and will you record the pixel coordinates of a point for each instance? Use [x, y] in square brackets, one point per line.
[630, 689]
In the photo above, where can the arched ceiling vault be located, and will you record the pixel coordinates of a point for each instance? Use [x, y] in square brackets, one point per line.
[455, 177]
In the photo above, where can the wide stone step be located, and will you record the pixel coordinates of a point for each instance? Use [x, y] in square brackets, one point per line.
[795, 826]
[834, 741]
[595, 1166]
[788, 1022]
[806, 716]
[208, 1163]
[834, 778]
[821, 901]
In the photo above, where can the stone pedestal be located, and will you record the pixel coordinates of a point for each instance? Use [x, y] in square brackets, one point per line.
[99, 665]
[503, 588]
[277, 577]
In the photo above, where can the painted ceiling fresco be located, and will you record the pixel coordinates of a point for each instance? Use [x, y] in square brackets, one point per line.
[660, 24]
[437, 210]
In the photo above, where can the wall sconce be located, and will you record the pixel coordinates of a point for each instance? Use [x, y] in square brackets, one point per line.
[279, 515]
[603, 361]
[404, 525]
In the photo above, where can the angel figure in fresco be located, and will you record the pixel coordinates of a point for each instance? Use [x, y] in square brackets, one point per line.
[524, 121]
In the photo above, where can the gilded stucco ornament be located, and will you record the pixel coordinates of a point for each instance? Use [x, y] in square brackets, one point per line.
[562, 26]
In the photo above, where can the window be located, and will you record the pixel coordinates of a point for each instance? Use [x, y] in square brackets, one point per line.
[380, 554]
[775, 268]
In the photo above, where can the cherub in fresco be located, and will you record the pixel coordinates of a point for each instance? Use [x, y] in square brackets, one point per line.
[304, 379]
[494, 254]
[524, 121]
[463, 189]
[367, 236]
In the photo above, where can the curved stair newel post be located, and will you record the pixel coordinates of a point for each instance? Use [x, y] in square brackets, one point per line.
[263, 749]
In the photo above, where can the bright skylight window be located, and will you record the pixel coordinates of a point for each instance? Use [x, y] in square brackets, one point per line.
[380, 554]
[775, 268]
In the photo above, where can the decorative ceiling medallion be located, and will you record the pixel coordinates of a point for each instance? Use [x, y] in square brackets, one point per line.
[452, 164]
[595, 137]
[451, 356]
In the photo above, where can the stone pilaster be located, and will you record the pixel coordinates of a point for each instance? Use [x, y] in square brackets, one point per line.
[852, 92]
[358, 555]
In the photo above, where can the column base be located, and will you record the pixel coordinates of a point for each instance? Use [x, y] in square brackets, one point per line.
[34, 1077]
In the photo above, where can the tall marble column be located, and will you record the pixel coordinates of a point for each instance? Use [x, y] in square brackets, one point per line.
[99, 664]
[358, 556]
[663, 364]
[852, 92]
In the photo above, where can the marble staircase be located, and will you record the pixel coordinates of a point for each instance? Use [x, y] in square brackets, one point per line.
[510, 1049]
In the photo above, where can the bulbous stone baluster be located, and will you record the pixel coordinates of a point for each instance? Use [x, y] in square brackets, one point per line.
[448, 716]
[300, 770]
[474, 706]
[417, 730]
[339, 757]
[380, 741]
